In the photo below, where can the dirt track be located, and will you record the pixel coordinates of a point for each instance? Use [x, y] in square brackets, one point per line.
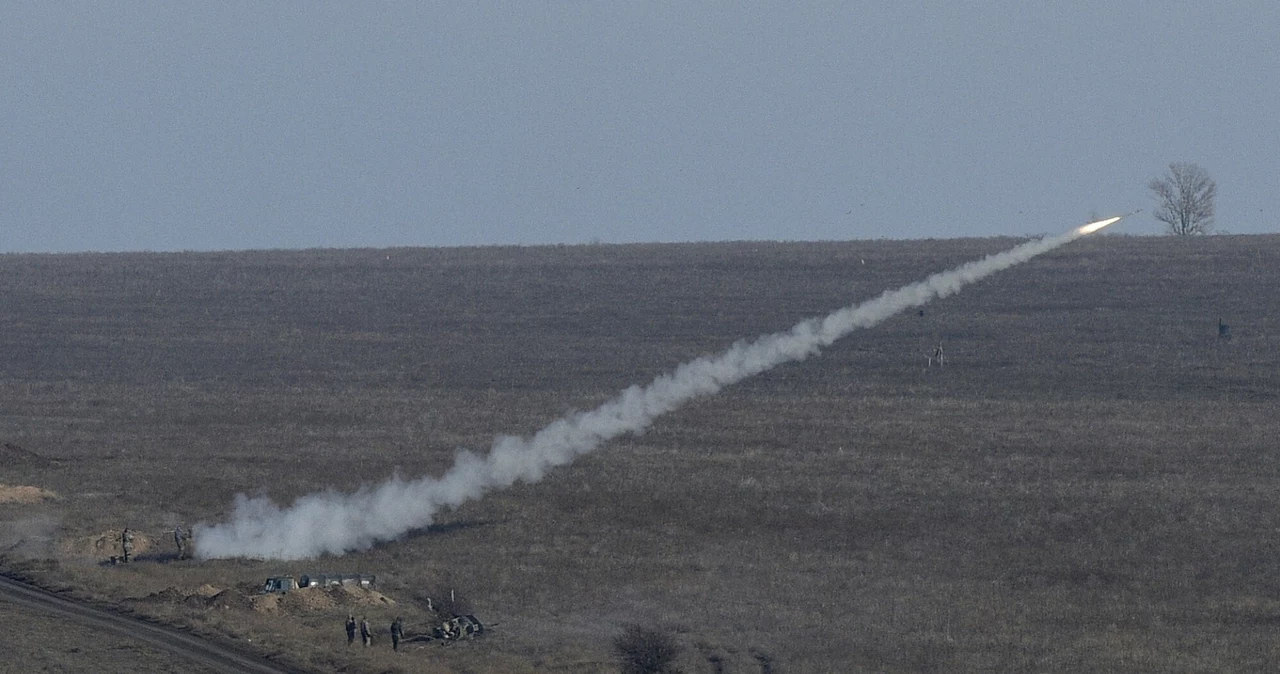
[184, 646]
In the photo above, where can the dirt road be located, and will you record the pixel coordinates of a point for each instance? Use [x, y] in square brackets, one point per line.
[95, 631]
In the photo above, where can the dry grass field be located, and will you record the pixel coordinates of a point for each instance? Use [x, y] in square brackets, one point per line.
[1089, 484]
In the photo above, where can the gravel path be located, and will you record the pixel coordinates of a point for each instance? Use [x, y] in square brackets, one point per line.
[105, 641]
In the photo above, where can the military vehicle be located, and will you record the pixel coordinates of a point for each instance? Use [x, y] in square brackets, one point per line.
[287, 583]
[461, 627]
[279, 584]
[326, 579]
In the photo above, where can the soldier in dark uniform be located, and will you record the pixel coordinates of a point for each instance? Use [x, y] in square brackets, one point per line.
[351, 629]
[397, 633]
[180, 539]
[126, 543]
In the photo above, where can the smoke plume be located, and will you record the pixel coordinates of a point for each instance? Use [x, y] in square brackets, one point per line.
[334, 523]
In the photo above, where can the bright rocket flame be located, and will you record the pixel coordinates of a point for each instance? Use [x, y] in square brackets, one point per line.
[1095, 226]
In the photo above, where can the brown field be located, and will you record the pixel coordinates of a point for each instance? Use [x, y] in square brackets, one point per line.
[1087, 485]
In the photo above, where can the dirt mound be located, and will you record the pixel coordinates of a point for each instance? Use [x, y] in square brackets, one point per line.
[266, 603]
[13, 455]
[169, 595]
[230, 599]
[354, 595]
[106, 544]
[311, 599]
[173, 596]
[205, 591]
[22, 493]
[307, 599]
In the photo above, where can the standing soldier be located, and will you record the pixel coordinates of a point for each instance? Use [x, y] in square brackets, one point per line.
[397, 633]
[180, 540]
[126, 542]
[938, 355]
[365, 635]
[351, 629]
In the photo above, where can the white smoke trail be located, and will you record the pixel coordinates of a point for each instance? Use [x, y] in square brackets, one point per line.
[333, 523]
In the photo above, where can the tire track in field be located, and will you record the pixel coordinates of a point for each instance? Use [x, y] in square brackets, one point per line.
[170, 640]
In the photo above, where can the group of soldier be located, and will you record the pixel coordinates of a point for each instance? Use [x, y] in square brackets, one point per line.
[181, 538]
[366, 635]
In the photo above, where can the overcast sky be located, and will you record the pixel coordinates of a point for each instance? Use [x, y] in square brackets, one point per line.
[231, 125]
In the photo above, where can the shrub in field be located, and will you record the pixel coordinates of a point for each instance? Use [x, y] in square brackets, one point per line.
[646, 651]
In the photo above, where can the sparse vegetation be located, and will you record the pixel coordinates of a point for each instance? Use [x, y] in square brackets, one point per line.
[643, 650]
[1086, 485]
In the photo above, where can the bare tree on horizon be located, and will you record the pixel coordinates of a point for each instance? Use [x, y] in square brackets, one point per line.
[1186, 196]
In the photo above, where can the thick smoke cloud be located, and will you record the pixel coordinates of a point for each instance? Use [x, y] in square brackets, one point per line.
[334, 523]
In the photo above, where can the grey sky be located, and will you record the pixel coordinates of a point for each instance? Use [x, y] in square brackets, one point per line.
[231, 125]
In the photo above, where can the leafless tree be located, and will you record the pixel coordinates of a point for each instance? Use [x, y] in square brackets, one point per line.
[1186, 199]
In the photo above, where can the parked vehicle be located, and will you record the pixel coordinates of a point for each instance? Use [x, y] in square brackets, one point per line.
[287, 583]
